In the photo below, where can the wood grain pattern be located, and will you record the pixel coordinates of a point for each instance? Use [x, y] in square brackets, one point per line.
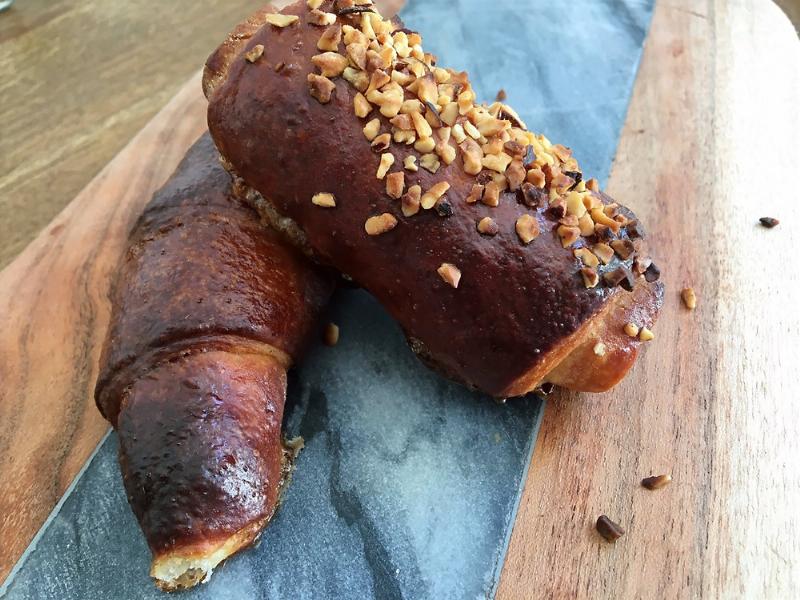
[713, 124]
[78, 79]
[54, 312]
[713, 128]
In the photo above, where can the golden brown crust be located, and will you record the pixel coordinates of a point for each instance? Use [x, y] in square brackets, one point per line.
[521, 298]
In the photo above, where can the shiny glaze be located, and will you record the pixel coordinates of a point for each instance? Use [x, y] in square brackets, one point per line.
[515, 304]
[200, 447]
[209, 309]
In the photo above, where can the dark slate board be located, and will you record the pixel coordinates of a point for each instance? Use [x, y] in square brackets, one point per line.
[408, 484]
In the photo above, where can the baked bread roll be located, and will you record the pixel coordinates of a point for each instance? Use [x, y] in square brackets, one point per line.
[209, 311]
[505, 265]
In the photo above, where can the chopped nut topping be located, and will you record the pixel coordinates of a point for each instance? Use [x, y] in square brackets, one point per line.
[324, 199]
[473, 156]
[372, 128]
[531, 196]
[381, 143]
[410, 201]
[536, 177]
[330, 336]
[656, 482]
[514, 149]
[475, 194]
[610, 531]
[446, 152]
[601, 218]
[387, 160]
[496, 162]
[361, 106]
[410, 163]
[358, 79]
[568, 235]
[380, 224]
[515, 173]
[378, 80]
[421, 125]
[769, 222]
[653, 273]
[279, 20]
[395, 183]
[428, 107]
[604, 252]
[330, 64]
[430, 197]
[624, 248]
[641, 264]
[330, 39]
[689, 298]
[590, 277]
[586, 225]
[320, 87]
[527, 228]
[487, 226]
[646, 335]
[631, 330]
[402, 121]
[586, 256]
[254, 53]
[450, 274]
[620, 276]
[320, 18]
[429, 162]
[491, 194]
[599, 349]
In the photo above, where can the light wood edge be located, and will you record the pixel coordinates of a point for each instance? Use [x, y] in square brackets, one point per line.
[713, 120]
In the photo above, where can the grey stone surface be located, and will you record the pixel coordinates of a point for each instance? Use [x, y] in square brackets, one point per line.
[408, 484]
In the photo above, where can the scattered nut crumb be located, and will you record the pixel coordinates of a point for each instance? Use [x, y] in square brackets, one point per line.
[527, 228]
[380, 224]
[330, 336]
[646, 335]
[254, 53]
[395, 183]
[324, 199]
[279, 20]
[410, 163]
[768, 222]
[599, 349]
[330, 64]
[436, 191]
[320, 87]
[590, 277]
[487, 226]
[320, 18]
[330, 39]
[689, 298]
[608, 529]
[361, 106]
[314, 4]
[410, 201]
[656, 482]
[387, 160]
[631, 329]
[450, 274]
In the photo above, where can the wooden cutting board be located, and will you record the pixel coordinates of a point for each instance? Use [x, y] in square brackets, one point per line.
[710, 145]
